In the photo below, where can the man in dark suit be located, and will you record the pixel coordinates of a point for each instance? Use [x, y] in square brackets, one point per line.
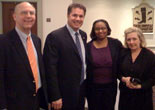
[64, 57]
[22, 78]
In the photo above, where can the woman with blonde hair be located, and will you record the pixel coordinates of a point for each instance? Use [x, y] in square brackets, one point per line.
[136, 72]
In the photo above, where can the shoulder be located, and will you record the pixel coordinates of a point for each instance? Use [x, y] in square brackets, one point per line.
[124, 52]
[114, 40]
[4, 42]
[148, 56]
[56, 37]
[2, 38]
[90, 43]
[58, 31]
[5, 37]
[11, 33]
[114, 43]
[82, 32]
[148, 52]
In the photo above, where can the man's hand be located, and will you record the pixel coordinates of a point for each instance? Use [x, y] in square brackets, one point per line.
[57, 104]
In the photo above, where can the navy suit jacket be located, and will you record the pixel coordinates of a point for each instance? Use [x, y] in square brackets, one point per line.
[16, 78]
[63, 67]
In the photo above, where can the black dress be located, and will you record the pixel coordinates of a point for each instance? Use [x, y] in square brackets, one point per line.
[144, 69]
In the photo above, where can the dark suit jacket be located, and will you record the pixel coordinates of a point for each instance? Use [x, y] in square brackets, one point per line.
[115, 47]
[16, 77]
[63, 67]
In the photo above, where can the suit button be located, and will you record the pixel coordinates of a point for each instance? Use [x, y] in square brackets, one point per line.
[34, 94]
[33, 81]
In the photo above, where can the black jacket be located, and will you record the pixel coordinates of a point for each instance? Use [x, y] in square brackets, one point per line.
[63, 66]
[143, 68]
[16, 77]
[115, 47]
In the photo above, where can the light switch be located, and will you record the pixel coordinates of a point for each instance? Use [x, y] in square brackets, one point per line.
[48, 19]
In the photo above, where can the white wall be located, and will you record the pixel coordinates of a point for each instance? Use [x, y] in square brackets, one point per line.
[57, 11]
[117, 12]
[39, 13]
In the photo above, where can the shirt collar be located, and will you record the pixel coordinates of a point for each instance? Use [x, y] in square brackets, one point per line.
[72, 32]
[22, 34]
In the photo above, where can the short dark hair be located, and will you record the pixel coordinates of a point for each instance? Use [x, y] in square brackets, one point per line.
[93, 35]
[76, 5]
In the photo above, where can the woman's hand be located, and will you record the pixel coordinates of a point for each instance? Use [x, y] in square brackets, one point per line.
[126, 80]
[129, 84]
[137, 86]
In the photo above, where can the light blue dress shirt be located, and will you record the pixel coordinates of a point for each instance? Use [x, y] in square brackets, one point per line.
[72, 32]
[23, 38]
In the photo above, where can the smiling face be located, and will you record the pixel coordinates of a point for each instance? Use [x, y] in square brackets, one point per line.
[101, 30]
[133, 41]
[76, 18]
[24, 16]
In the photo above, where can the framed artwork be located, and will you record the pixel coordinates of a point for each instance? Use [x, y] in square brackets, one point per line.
[143, 17]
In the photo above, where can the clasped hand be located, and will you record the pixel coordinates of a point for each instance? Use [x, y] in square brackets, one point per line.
[129, 84]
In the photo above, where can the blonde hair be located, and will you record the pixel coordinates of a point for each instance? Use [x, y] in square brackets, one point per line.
[139, 33]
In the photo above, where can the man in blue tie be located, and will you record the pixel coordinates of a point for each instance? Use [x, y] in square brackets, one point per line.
[65, 64]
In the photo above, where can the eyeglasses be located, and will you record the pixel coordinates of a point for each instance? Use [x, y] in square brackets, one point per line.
[102, 28]
[28, 12]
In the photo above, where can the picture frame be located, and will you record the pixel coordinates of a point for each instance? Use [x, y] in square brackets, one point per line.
[143, 17]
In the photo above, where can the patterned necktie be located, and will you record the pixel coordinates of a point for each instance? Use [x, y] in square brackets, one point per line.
[78, 45]
[32, 61]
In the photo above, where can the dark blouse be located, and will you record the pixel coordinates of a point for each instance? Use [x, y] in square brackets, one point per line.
[114, 47]
[102, 62]
[143, 68]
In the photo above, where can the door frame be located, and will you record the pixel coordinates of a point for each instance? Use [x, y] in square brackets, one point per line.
[39, 13]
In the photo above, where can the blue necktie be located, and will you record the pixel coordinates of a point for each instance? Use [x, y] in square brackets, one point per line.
[80, 53]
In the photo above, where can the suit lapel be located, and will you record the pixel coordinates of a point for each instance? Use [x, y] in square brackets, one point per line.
[84, 39]
[36, 46]
[70, 40]
[16, 42]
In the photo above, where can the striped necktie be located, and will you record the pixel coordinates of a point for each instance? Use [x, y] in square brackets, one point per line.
[78, 45]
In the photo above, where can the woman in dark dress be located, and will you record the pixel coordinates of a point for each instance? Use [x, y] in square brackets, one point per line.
[136, 73]
[102, 66]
